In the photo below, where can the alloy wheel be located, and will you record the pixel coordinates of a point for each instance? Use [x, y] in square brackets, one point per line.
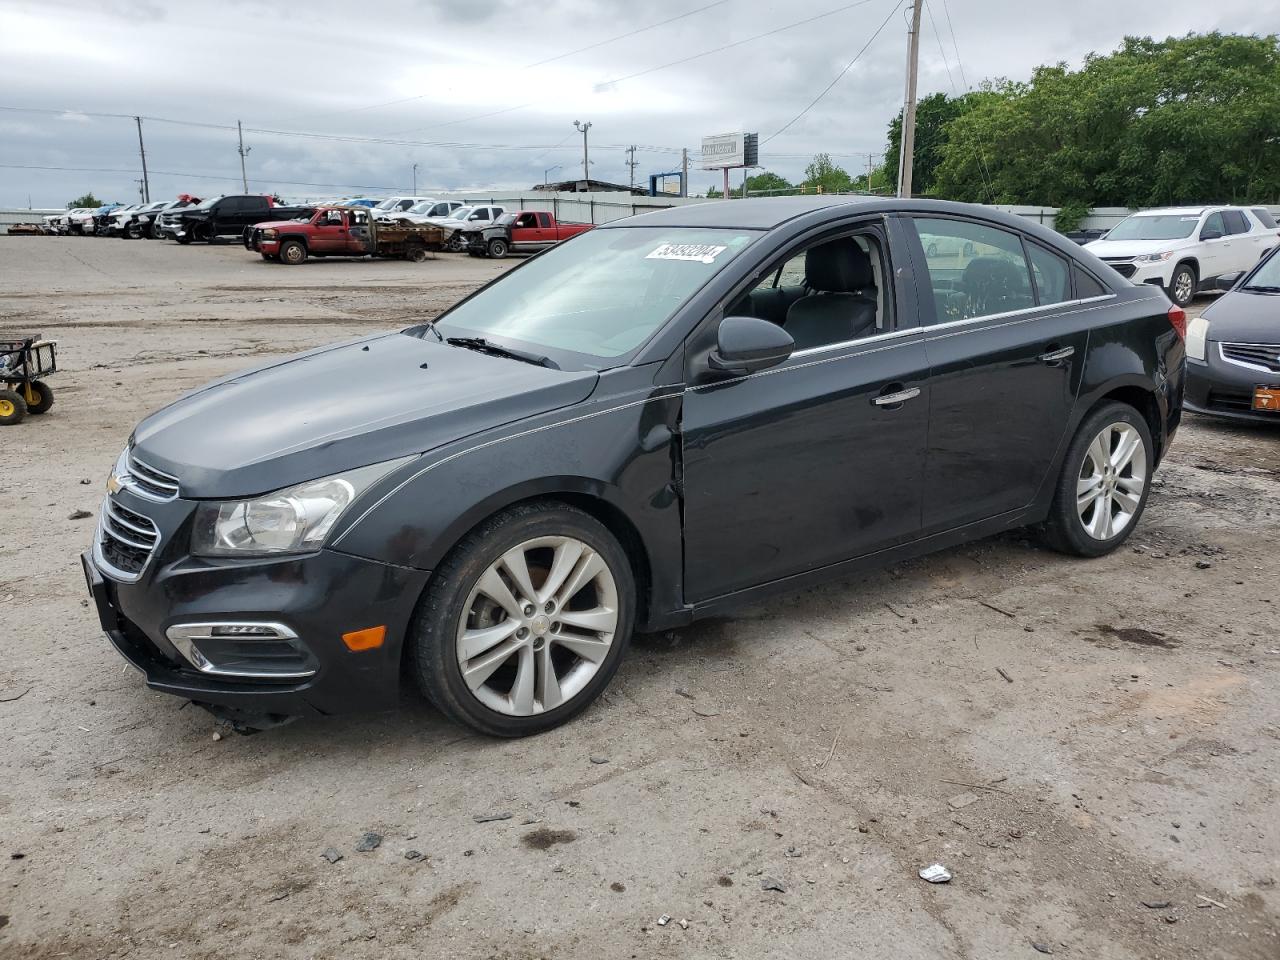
[1111, 481]
[537, 626]
[1182, 287]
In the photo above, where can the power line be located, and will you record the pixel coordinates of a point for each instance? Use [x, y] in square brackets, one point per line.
[624, 36]
[937, 36]
[736, 43]
[839, 76]
[959, 63]
[198, 176]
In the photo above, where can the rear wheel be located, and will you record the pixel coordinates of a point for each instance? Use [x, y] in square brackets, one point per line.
[525, 622]
[1105, 480]
[293, 252]
[133, 230]
[417, 252]
[497, 248]
[156, 233]
[12, 408]
[182, 238]
[1182, 285]
[40, 398]
[454, 243]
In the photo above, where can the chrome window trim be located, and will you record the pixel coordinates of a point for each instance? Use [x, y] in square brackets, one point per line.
[1241, 363]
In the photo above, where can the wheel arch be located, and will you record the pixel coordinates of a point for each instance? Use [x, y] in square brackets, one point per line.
[1142, 399]
[1191, 261]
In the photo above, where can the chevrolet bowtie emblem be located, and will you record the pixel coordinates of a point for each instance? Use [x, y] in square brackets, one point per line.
[114, 483]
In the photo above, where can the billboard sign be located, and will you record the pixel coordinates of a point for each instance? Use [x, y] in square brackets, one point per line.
[724, 150]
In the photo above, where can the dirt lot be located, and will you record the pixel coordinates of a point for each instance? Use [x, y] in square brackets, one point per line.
[1092, 747]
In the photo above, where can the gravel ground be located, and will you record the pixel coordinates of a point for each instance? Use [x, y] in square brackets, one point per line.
[1091, 747]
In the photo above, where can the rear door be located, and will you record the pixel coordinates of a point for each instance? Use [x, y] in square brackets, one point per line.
[818, 459]
[358, 241]
[1243, 249]
[1005, 338]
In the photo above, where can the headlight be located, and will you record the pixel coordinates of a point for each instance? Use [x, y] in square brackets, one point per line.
[1153, 257]
[1197, 333]
[270, 234]
[294, 520]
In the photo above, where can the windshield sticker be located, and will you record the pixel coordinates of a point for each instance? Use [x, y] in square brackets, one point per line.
[696, 252]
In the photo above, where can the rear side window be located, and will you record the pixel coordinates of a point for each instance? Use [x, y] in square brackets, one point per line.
[1235, 221]
[974, 270]
[544, 219]
[1264, 217]
[1088, 286]
[1053, 278]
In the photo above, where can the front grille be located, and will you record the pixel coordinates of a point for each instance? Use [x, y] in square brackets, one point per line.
[150, 482]
[1122, 266]
[1236, 402]
[1266, 356]
[127, 539]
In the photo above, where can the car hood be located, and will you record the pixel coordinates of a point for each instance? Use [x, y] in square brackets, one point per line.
[1244, 317]
[1133, 248]
[341, 407]
[277, 224]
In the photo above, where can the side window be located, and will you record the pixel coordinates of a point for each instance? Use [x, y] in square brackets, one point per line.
[828, 293]
[359, 218]
[333, 218]
[526, 220]
[544, 220]
[1235, 221]
[230, 205]
[1214, 222]
[1088, 286]
[1264, 217]
[404, 204]
[482, 213]
[1053, 280]
[974, 270]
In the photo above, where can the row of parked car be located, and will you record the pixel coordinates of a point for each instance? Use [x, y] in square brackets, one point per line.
[360, 226]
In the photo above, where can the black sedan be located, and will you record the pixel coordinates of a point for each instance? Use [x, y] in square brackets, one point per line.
[1233, 348]
[661, 419]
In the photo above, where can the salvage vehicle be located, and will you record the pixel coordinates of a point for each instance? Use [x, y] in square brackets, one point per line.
[85, 223]
[525, 231]
[141, 222]
[1185, 249]
[1233, 348]
[664, 418]
[465, 218]
[428, 211]
[393, 205]
[225, 217]
[342, 232]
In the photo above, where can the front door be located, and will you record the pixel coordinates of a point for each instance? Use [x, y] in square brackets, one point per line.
[330, 233]
[820, 458]
[1006, 346]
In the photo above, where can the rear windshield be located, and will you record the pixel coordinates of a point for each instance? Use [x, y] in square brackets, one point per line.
[1163, 226]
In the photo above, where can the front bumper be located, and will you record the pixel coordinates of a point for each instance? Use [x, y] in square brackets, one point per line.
[317, 597]
[1159, 273]
[1219, 388]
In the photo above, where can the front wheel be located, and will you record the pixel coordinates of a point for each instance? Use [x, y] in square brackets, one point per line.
[133, 231]
[12, 408]
[1182, 285]
[293, 252]
[40, 398]
[156, 232]
[417, 252]
[1105, 480]
[497, 248]
[525, 622]
[454, 243]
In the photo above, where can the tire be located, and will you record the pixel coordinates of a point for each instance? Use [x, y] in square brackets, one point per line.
[293, 252]
[156, 233]
[43, 394]
[454, 243]
[1083, 530]
[133, 231]
[417, 252]
[12, 408]
[1182, 285]
[183, 238]
[497, 248]
[495, 703]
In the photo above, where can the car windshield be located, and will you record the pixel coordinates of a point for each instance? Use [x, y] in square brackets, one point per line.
[422, 206]
[1268, 276]
[387, 204]
[505, 219]
[1164, 226]
[601, 294]
[460, 214]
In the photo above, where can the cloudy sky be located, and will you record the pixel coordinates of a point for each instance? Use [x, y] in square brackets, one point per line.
[339, 98]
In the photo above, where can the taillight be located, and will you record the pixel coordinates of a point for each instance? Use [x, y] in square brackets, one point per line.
[1178, 320]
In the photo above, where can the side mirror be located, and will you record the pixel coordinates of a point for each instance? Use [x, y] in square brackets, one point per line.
[748, 344]
[1210, 234]
[1228, 280]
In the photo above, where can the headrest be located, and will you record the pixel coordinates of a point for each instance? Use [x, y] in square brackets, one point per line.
[838, 266]
[990, 270]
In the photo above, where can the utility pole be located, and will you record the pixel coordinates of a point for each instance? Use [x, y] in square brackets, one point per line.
[414, 193]
[146, 185]
[684, 171]
[633, 163]
[906, 158]
[545, 183]
[584, 127]
[244, 177]
[141, 195]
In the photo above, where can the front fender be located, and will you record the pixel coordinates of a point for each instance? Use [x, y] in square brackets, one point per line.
[618, 457]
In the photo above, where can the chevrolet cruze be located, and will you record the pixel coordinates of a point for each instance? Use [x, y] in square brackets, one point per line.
[660, 419]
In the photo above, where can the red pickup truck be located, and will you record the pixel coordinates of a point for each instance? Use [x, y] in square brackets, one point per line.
[524, 231]
[341, 232]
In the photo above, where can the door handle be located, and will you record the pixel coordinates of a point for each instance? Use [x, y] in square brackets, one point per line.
[1053, 356]
[892, 399]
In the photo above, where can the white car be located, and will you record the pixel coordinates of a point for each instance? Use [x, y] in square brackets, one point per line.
[394, 205]
[1183, 249]
[462, 218]
[427, 210]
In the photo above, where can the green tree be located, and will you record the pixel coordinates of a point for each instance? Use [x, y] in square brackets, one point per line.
[766, 183]
[1189, 119]
[822, 172]
[88, 200]
[933, 116]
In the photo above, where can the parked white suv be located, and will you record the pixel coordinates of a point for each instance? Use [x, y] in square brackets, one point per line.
[464, 217]
[1183, 249]
[427, 210]
[393, 205]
